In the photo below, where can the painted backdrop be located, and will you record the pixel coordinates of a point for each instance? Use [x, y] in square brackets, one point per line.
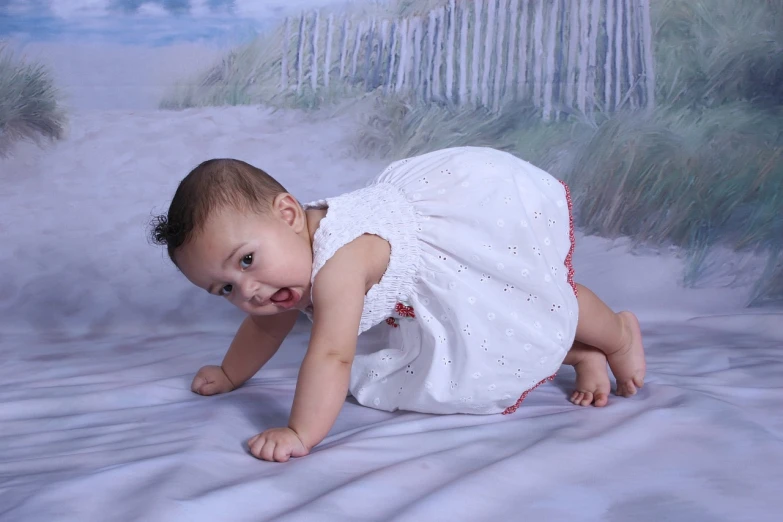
[664, 117]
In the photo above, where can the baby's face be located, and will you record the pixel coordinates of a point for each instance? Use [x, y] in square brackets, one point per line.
[260, 263]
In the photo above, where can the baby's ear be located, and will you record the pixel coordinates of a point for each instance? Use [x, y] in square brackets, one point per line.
[287, 207]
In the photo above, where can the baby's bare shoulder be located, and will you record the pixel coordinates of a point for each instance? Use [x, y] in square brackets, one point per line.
[364, 259]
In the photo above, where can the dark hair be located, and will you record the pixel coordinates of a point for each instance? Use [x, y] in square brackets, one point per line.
[213, 185]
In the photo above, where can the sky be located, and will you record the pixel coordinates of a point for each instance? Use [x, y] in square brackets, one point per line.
[156, 22]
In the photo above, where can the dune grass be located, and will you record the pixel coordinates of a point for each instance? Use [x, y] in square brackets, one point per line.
[708, 53]
[29, 107]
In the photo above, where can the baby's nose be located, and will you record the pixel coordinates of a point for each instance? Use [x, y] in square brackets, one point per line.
[249, 290]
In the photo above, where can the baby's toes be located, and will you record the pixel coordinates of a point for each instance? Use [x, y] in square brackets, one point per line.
[638, 381]
[581, 398]
[600, 399]
[587, 399]
[626, 389]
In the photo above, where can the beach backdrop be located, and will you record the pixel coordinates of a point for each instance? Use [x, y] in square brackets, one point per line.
[664, 117]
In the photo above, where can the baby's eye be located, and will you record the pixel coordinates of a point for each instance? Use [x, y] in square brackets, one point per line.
[226, 290]
[246, 261]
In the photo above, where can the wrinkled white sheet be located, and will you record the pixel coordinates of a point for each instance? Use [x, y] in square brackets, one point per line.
[100, 338]
[108, 430]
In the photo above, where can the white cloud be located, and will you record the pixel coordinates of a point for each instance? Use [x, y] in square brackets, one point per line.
[199, 8]
[150, 9]
[257, 9]
[77, 8]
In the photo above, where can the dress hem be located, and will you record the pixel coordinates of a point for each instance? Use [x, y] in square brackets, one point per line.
[569, 266]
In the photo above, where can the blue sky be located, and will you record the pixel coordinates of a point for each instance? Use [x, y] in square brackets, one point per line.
[157, 22]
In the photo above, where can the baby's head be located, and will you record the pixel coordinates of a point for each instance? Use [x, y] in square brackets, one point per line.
[234, 231]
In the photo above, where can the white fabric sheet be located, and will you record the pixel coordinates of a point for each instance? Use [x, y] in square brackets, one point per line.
[108, 430]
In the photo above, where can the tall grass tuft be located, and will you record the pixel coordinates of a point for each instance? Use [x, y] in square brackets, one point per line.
[709, 53]
[29, 108]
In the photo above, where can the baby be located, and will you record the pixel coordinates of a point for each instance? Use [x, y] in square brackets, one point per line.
[463, 255]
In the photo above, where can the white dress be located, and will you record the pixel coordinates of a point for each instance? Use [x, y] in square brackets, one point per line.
[478, 301]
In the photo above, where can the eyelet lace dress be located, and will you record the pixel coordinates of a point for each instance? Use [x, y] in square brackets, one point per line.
[478, 299]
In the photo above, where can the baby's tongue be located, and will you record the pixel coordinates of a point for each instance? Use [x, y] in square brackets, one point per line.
[281, 295]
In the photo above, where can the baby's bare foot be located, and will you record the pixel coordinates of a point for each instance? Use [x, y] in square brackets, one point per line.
[628, 364]
[592, 378]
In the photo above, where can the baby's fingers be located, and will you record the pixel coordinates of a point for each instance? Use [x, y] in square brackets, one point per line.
[282, 453]
[208, 388]
[198, 382]
[256, 444]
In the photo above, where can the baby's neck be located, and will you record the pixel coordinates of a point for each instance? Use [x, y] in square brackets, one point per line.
[314, 217]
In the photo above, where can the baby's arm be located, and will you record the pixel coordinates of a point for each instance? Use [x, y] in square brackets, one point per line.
[338, 298]
[256, 341]
[324, 377]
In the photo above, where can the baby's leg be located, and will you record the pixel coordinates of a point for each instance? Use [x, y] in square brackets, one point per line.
[617, 335]
[592, 379]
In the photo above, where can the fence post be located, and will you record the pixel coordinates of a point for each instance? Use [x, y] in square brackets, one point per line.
[428, 57]
[463, 56]
[512, 45]
[592, 66]
[629, 50]
[395, 29]
[618, 53]
[554, 13]
[649, 61]
[523, 61]
[284, 64]
[573, 49]
[404, 56]
[476, 95]
[300, 55]
[328, 52]
[343, 49]
[417, 58]
[488, 53]
[610, 43]
[538, 51]
[502, 10]
[584, 44]
[356, 46]
[560, 64]
[314, 51]
[451, 22]
[376, 68]
[440, 37]
[368, 54]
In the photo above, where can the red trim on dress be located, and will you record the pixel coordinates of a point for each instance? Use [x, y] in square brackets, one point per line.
[512, 409]
[569, 258]
[570, 268]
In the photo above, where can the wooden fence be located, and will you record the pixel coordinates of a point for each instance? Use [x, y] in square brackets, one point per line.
[556, 54]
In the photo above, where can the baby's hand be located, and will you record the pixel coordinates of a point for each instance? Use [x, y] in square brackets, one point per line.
[211, 380]
[277, 444]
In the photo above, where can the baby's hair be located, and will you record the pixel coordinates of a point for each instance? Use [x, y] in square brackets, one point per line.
[213, 185]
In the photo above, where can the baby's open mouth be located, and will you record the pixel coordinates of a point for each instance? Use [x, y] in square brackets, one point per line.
[282, 295]
[285, 298]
